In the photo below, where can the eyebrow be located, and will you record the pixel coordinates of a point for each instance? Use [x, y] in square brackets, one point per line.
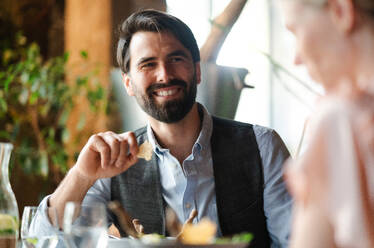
[144, 60]
[174, 53]
[178, 53]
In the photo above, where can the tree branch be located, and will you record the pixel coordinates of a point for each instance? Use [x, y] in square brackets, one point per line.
[221, 26]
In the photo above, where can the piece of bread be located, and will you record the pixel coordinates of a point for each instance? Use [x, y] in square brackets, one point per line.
[145, 151]
[199, 234]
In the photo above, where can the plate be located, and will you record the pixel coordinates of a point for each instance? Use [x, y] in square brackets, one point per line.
[131, 243]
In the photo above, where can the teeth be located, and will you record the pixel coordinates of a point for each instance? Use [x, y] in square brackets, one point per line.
[166, 92]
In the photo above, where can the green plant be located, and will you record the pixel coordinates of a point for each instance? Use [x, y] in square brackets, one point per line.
[35, 103]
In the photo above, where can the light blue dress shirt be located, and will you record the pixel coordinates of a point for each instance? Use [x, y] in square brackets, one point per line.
[191, 185]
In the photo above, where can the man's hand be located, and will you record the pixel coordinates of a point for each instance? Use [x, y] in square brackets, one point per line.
[107, 155]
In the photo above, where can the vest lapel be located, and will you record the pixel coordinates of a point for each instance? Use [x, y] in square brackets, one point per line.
[139, 191]
[238, 177]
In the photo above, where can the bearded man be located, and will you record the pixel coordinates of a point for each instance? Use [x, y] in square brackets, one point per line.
[228, 171]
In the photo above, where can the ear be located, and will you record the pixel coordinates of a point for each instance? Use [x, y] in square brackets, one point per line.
[343, 14]
[198, 72]
[127, 82]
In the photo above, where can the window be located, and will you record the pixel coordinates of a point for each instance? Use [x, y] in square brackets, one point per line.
[278, 100]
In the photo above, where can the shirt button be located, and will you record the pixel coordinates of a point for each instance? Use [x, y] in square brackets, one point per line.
[188, 205]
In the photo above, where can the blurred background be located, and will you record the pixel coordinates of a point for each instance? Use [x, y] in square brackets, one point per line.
[59, 82]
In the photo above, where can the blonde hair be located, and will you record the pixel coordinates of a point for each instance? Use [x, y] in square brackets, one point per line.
[365, 7]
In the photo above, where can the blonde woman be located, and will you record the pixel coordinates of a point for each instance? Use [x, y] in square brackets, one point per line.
[333, 181]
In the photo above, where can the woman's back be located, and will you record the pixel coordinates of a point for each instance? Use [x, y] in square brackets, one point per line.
[338, 174]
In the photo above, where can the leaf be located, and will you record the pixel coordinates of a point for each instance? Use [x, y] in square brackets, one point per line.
[5, 135]
[35, 83]
[84, 54]
[65, 135]
[81, 122]
[44, 110]
[15, 130]
[61, 159]
[21, 40]
[3, 105]
[34, 98]
[7, 56]
[82, 81]
[99, 93]
[27, 165]
[25, 77]
[22, 98]
[94, 96]
[63, 118]
[7, 82]
[66, 57]
[51, 132]
[43, 166]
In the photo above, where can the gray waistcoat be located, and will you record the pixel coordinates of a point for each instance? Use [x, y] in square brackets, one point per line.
[238, 184]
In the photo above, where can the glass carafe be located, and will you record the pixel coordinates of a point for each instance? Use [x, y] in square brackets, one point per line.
[9, 218]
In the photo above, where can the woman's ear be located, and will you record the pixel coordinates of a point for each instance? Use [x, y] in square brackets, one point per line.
[343, 14]
[127, 82]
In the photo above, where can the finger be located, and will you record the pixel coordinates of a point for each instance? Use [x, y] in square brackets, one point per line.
[132, 142]
[138, 227]
[189, 221]
[113, 140]
[192, 216]
[122, 160]
[97, 144]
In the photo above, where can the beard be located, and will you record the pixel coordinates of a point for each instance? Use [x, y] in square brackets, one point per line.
[170, 111]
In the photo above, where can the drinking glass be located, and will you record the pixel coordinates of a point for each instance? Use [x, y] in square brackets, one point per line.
[31, 236]
[85, 226]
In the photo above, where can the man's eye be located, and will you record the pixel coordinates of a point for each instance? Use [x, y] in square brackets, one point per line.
[176, 59]
[147, 65]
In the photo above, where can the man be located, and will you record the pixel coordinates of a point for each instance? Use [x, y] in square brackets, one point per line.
[228, 171]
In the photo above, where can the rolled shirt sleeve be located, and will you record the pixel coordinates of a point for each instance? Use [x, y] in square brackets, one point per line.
[98, 193]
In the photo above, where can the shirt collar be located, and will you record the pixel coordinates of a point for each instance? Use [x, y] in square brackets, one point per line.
[203, 140]
[151, 137]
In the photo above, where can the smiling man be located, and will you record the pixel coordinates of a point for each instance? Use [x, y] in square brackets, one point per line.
[228, 171]
[166, 71]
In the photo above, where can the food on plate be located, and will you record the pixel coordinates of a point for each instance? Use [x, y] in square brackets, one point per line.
[202, 233]
[124, 218]
[199, 234]
[145, 151]
[138, 226]
[237, 238]
[152, 238]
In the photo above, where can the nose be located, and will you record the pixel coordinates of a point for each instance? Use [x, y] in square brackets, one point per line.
[164, 74]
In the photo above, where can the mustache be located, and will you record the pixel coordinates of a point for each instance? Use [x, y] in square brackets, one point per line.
[174, 82]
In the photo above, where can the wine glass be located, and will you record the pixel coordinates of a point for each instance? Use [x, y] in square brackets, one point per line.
[32, 236]
[29, 238]
[85, 226]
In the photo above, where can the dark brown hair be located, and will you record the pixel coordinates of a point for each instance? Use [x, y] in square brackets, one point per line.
[366, 6]
[153, 21]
